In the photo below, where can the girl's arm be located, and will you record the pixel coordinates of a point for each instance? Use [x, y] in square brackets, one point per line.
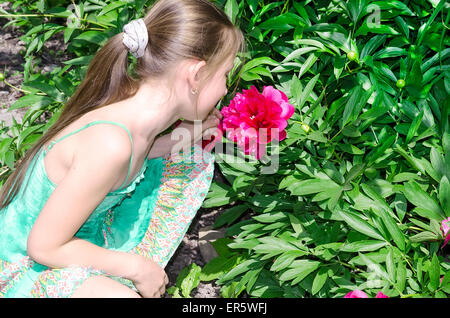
[161, 146]
[78, 252]
[184, 135]
[101, 161]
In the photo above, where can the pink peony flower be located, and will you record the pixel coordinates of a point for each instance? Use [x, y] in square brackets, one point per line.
[251, 115]
[381, 295]
[445, 230]
[361, 294]
[356, 294]
[208, 145]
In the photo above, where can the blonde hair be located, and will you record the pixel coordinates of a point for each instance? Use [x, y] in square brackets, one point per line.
[177, 30]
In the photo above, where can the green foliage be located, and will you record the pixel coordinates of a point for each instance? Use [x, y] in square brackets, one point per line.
[363, 177]
[187, 280]
[362, 183]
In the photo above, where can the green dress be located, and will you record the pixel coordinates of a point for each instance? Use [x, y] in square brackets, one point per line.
[149, 217]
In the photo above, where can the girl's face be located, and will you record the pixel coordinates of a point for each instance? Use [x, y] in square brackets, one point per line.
[214, 90]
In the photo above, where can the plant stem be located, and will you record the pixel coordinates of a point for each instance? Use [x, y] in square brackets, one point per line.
[337, 133]
[4, 171]
[22, 90]
[51, 16]
[409, 295]
[415, 228]
[284, 8]
[27, 15]
[302, 123]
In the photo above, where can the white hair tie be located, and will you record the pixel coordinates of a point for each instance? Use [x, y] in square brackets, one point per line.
[135, 37]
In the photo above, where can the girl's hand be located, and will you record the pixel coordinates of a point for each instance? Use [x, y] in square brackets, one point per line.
[208, 127]
[211, 129]
[150, 278]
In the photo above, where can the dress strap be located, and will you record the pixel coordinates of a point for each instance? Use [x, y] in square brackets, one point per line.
[53, 142]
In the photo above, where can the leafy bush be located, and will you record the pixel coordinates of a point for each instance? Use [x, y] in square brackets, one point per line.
[363, 179]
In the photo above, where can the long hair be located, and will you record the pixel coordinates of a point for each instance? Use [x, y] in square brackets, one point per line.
[177, 30]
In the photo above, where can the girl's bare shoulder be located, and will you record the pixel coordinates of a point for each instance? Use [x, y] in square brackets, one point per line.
[93, 141]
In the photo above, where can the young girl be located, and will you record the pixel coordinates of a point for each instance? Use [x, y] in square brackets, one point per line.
[99, 205]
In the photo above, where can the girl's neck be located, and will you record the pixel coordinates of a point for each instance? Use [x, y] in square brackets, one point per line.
[149, 111]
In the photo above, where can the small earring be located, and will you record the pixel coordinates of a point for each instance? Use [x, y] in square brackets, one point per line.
[194, 91]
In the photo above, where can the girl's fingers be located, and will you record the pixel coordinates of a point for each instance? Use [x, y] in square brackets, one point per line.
[215, 112]
[212, 122]
[166, 279]
[210, 132]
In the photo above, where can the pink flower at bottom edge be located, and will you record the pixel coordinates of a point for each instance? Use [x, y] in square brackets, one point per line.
[381, 295]
[445, 230]
[356, 294]
[361, 294]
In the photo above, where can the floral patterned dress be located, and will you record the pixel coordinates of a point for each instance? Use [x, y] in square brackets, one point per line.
[148, 217]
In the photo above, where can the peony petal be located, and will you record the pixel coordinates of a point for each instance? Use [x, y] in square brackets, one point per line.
[445, 225]
[356, 294]
[381, 295]
[287, 110]
[282, 135]
[446, 241]
[445, 230]
[274, 94]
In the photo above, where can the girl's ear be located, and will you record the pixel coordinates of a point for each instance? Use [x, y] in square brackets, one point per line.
[196, 72]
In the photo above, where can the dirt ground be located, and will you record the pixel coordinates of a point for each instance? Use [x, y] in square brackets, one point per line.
[12, 65]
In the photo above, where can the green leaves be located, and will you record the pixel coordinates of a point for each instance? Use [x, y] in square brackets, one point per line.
[187, 280]
[401, 276]
[284, 22]
[305, 94]
[363, 246]
[219, 194]
[355, 8]
[218, 267]
[298, 270]
[252, 69]
[414, 127]
[273, 246]
[428, 207]
[285, 259]
[393, 229]
[94, 37]
[444, 195]
[325, 189]
[434, 271]
[360, 225]
[358, 98]
[319, 280]
[232, 10]
[32, 100]
[313, 186]
[239, 269]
